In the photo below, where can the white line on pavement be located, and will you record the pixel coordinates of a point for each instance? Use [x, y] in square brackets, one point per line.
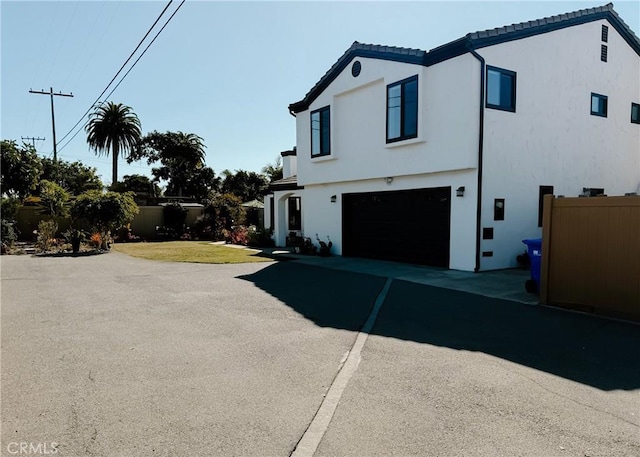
[313, 435]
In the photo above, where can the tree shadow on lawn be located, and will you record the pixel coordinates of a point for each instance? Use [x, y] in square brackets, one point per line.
[598, 352]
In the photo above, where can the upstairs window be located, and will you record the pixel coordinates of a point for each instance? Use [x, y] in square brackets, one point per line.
[598, 105]
[635, 113]
[501, 89]
[402, 110]
[321, 132]
[605, 33]
[603, 53]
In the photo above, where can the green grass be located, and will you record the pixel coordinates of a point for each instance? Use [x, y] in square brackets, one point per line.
[190, 251]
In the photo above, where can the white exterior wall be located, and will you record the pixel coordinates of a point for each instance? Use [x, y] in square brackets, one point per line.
[552, 139]
[324, 218]
[444, 154]
[447, 123]
[281, 214]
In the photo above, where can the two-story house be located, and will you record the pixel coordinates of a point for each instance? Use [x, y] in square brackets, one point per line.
[443, 157]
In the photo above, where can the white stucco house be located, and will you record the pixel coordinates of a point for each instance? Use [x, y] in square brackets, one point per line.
[442, 157]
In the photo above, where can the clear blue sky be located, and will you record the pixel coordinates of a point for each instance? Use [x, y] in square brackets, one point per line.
[223, 70]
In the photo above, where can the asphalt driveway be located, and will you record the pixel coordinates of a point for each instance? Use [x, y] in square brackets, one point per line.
[115, 356]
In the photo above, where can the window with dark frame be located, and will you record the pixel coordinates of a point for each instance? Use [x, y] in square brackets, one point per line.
[272, 213]
[498, 209]
[402, 110]
[321, 132]
[635, 113]
[295, 213]
[598, 105]
[501, 89]
[605, 33]
[544, 190]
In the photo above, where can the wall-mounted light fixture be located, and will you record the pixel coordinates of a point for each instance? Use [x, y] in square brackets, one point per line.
[460, 191]
[333, 198]
[388, 179]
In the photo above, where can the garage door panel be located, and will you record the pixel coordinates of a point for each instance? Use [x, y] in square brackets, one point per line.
[408, 226]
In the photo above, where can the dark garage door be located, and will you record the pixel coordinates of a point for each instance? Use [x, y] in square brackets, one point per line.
[404, 226]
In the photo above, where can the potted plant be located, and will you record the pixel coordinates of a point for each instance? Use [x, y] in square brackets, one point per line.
[75, 237]
[324, 249]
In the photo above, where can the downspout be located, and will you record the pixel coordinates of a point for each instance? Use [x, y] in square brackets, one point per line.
[480, 159]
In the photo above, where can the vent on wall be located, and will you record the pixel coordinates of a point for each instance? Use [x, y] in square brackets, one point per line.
[603, 53]
[605, 33]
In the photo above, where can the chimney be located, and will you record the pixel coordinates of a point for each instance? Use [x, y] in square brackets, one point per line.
[289, 163]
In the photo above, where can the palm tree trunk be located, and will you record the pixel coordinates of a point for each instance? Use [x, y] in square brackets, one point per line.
[114, 172]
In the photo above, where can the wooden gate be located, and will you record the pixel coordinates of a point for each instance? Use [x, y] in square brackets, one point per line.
[591, 255]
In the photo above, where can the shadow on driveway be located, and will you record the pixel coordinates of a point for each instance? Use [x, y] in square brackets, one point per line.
[601, 353]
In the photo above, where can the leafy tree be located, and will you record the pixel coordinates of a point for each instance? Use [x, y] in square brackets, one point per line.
[224, 211]
[273, 171]
[139, 184]
[181, 157]
[105, 212]
[116, 128]
[73, 176]
[54, 200]
[20, 169]
[246, 185]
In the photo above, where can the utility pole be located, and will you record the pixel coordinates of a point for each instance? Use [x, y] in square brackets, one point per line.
[33, 140]
[53, 117]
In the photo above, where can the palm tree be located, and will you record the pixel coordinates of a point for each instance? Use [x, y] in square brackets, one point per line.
[273, 171]
[113, 127]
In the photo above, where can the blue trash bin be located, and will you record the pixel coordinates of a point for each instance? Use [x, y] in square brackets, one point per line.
[534, 247]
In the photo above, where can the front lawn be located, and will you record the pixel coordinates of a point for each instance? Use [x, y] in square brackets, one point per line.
[190, 251]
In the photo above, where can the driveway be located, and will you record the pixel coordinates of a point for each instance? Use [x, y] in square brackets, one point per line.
[115, 356]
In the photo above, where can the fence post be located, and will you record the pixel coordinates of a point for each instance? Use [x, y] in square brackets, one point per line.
[547, 220]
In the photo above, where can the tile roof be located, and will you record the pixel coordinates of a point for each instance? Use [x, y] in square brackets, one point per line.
[529, 28]
[470, 41]
[288, 183]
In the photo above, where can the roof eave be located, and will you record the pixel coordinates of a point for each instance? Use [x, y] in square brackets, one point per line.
[614, 20]
[343, 62]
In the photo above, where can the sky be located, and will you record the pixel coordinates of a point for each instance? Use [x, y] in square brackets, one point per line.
[225, 71]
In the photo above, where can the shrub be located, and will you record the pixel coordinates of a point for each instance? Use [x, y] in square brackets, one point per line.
[46, 234]
[54, 200]
[225, 211]
[174, 217]
[105, 212]
[125, 235]
[261, 238]
[237, 235]
[203, 228]
[10, 208]
[95, 240]
[9, 232]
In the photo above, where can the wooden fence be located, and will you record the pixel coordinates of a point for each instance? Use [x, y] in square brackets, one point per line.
[591, 255]
[143, 225]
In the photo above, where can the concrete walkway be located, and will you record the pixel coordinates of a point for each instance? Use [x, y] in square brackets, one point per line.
[503, 284]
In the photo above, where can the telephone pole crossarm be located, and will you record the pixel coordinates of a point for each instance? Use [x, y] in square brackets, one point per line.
[53, 117]
[32, 139]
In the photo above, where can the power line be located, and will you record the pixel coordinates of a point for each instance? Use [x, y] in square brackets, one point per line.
[116, 75]
[145, 49]
[123, 77]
